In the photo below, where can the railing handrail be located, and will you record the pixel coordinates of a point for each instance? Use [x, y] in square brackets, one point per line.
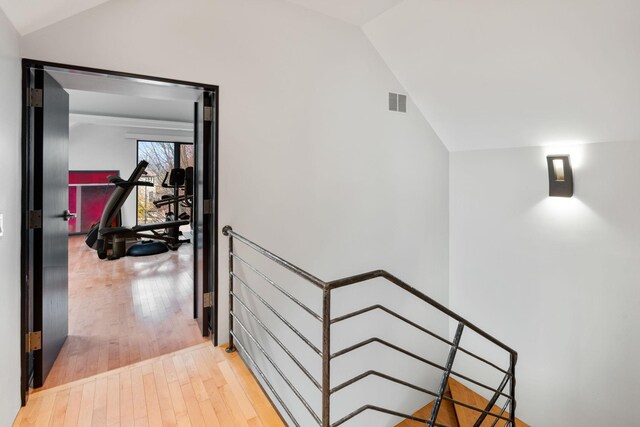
[228, 231]
[324, 386]
[363, 277]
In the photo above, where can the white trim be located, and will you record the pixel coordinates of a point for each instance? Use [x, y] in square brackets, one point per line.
[159, 138]
[94, 119]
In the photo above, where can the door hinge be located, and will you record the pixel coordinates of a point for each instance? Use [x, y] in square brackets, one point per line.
[35, 219]
[208, 114]
[207, 206]
[35, 98]
[208, 300]
[33, 341]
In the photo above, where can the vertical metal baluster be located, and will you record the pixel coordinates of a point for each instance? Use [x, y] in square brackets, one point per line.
[231, 348]
[445, 374]
[512, 371]
[326, 354]
[493, 401]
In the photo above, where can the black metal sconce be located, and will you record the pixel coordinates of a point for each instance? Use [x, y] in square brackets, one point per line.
[560, 176]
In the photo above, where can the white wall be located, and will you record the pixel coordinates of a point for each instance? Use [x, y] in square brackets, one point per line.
[94, 147]
[502, 73]
[311, 163]
[10, 144]
[104, 148]
[556, 278]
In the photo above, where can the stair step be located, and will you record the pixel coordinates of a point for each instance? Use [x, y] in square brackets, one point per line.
[452, 415]
[467, 417]
[446, 415]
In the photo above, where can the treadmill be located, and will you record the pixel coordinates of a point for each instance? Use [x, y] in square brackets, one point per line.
[110, 239]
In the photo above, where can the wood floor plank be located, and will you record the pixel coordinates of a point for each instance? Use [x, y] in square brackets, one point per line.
[212, 362]
[151, 397]
[45, 411]
[86, 404]
[224, 414]
[59, 408]
[124, 311]
[255, 422]
[167, 411]
[151, 393]
[183, 421]
[113, 400]
[181, 370]
[127, 417]
[73, 406]
[193, 406]
[209, 414]
[229, 399]
[258, 399]
[240, 396]
[137, 389]
[29, 413]
[179, 405]
[169, 370]
[99, 418]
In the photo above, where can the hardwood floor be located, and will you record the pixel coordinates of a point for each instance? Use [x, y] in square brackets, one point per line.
[198, 386]
[125, 311]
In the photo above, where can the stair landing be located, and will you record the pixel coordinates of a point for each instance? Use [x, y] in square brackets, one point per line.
[198, 386]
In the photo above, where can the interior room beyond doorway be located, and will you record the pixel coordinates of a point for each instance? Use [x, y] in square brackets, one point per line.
[124, 312]
[134, 244]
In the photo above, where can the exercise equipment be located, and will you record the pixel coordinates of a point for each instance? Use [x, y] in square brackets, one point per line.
[110, 239]
[181, 182]
[149, 247]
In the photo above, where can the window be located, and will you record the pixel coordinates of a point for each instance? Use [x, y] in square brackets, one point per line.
[162, 158]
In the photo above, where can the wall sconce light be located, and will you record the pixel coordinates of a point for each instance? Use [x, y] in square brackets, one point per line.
[560, 176]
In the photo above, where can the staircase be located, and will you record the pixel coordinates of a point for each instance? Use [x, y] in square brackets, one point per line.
[286, 341]
[457, 415]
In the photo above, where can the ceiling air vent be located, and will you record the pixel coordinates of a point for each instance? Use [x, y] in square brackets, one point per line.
[397, 102]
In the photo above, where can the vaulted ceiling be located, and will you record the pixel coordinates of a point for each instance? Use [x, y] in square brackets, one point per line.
[357, 12]
[485, 73]
[510, 73]
[31, 15]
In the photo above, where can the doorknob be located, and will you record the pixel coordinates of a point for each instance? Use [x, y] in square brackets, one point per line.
[66, 215]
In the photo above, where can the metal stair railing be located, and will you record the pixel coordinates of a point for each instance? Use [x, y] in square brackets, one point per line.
[236, 336]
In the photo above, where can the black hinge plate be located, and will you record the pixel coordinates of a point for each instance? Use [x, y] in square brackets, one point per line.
[35, 98]
[35, 219]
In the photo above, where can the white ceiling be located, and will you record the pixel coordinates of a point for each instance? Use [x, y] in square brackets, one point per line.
[109, 105]
[486, 73]
[109, 84]
[505, 73]
[32, 15]
[357, 12]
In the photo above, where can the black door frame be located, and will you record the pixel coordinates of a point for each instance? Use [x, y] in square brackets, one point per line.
[27, 163]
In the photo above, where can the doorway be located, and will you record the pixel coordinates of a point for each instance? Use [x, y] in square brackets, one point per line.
[53, 196]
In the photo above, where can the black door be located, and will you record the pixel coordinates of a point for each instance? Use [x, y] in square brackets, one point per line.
[204, 217]
[51, 197]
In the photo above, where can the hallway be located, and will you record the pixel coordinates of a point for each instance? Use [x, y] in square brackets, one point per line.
[198, 386]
